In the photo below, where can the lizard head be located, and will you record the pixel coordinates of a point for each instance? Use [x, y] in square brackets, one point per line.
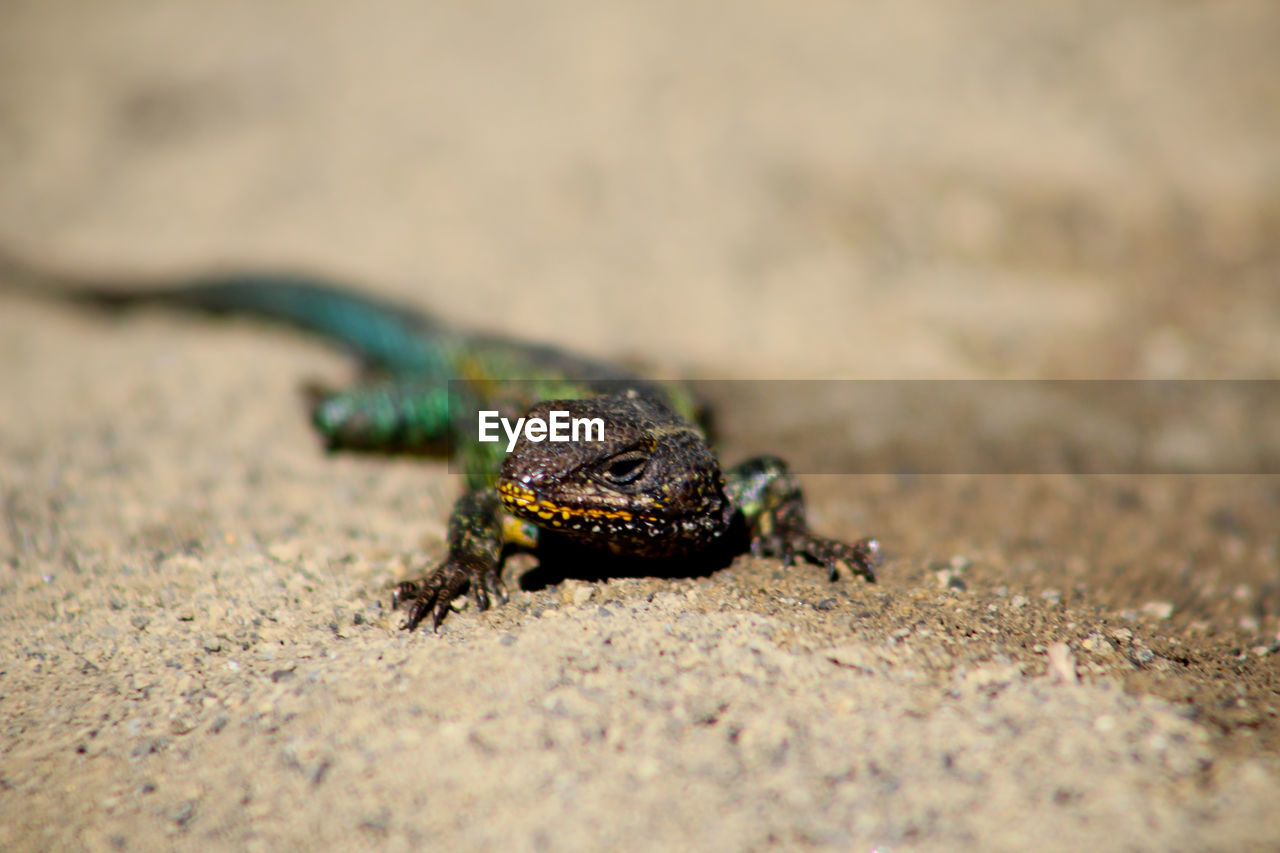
[637, 478]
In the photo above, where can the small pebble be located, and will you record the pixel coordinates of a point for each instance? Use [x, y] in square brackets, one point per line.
[1095, 642]
[1062, 665]
[1141, 657]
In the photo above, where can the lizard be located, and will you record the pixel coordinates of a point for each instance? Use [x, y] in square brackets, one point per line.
[650, 488]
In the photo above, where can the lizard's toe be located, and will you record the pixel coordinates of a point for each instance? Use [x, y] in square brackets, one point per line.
[862, 556]
[405, 591]
[417, 611]
[431, 595]
[487, 587]
[493, 583]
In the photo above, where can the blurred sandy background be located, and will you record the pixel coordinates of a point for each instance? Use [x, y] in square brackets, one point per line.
[196, 647]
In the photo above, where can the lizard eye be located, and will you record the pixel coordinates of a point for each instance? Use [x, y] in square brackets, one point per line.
[626, 468]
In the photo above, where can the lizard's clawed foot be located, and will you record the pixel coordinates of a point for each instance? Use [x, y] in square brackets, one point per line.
[433, 594]
[862, 556]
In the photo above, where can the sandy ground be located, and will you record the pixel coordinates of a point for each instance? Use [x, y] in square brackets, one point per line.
[196, 644]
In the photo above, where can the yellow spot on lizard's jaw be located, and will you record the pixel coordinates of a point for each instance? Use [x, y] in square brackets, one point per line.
[516, 497]
[522, 501]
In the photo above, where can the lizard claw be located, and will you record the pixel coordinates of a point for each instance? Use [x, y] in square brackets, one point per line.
[488, 583]
[430, 596]
[862, 556]
[433, 594]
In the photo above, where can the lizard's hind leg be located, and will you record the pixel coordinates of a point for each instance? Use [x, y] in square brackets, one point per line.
[386, 416]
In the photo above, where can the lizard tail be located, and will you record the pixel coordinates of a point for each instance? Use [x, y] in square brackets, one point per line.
[379, 332]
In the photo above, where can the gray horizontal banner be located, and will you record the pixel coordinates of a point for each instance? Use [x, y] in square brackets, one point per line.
[980, 427]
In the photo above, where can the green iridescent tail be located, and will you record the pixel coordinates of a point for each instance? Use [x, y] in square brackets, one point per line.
[394, 337]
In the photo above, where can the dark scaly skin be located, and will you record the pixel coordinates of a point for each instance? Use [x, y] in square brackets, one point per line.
[652, 488]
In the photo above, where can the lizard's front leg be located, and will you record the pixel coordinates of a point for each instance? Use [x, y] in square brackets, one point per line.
[476, 533]
[768, 495]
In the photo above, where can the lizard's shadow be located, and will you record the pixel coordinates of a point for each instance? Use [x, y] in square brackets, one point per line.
[560, 560]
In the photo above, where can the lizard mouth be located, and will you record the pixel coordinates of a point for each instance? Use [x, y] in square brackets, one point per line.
[524, 502]
[617, 529]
